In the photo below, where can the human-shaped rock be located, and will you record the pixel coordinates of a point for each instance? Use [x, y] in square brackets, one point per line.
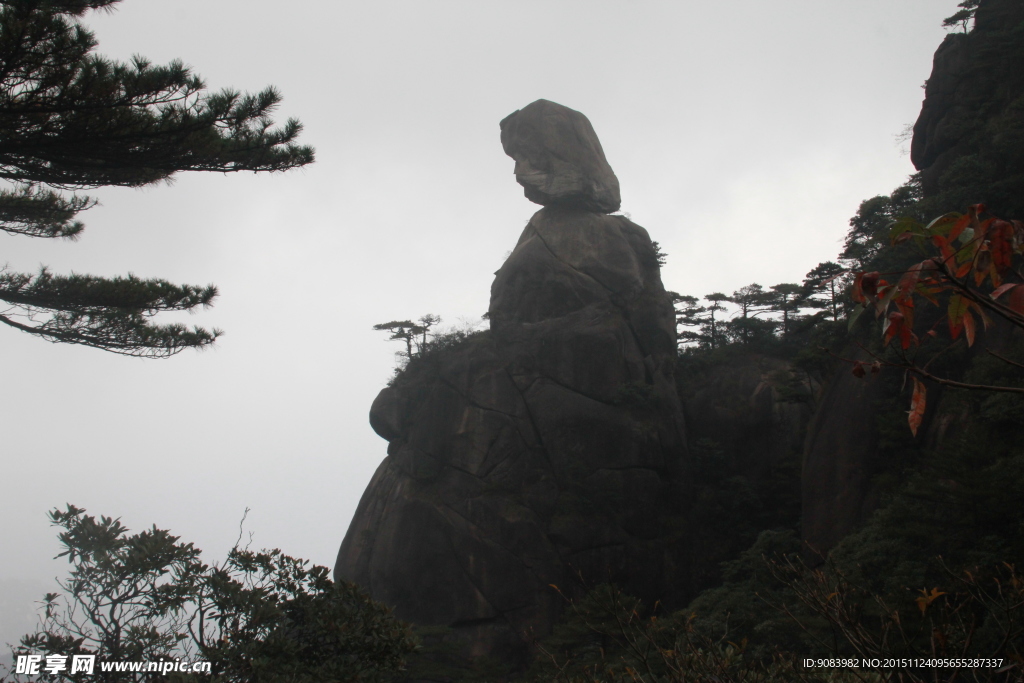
[547, 449]
[559, 160]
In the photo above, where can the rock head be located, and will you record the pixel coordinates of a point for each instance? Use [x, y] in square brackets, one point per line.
[559, 160]
[547, 449]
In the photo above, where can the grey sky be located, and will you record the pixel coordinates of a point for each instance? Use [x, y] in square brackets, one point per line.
[744, 134]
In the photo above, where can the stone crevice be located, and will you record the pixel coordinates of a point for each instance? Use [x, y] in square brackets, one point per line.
[554, 381]
[533, 421]
[470, 401]
[611, 292]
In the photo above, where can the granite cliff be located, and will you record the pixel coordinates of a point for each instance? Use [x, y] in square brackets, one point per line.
[967, 139]
[968, 147]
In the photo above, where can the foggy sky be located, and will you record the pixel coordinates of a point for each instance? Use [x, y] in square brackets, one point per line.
[744, 134]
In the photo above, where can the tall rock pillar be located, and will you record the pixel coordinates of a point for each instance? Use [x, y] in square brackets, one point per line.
[549, 449]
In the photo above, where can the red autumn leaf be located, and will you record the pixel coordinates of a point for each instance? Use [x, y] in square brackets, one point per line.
[929, 293]
[1003, 289]
[959, 227]
[993, 273]
[917, 406]
[981, 231]
[885, 292]
[858, 288]
[1015, 300]
[985, 320]
[1001, 245]
[955, 314]
[973, 211]
[858, 369]
[969, 327]
[964, 269]
[947, 251]
[906, 337]
[910, 279]
[869, 284]
[982, 265]
[893, 324]
[906, 307]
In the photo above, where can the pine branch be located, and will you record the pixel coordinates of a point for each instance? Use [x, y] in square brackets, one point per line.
[73, 120]
[111, 314]
[29, 210]
[127, 334]
[91, 295]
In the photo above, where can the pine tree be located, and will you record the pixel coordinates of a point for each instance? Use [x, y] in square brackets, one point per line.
[963, 17]
[71, 120]
[824, 286]
[713, 326]
[690, 314]
[751, 300]
[787, 298]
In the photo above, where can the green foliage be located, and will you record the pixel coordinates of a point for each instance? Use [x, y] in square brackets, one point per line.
[611, 637]
[71, 120]
[107, 313]
[660, 257]
[741, 607]
[823, 287]
[774, 610]
[441, 657]
[689, 314]
[423, 353]
[870, 227]
[413, 334]
[257, 617]
[749, 331]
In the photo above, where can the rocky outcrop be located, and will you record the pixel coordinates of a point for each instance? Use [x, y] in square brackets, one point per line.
[559, 160]
[971, 113]
[968, 145]
[841, 457]
[546, 451]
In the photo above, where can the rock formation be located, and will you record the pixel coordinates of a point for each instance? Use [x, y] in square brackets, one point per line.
[969, 130]
[548, 449]
[840, 461]
[969, 147]
[559, 160]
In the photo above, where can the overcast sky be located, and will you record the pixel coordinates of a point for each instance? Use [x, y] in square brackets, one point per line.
[744, 134]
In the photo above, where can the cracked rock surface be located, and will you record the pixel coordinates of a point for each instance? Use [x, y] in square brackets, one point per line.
[547, 450]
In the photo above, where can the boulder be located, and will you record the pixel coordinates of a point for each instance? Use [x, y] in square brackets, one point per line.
[559, 160]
